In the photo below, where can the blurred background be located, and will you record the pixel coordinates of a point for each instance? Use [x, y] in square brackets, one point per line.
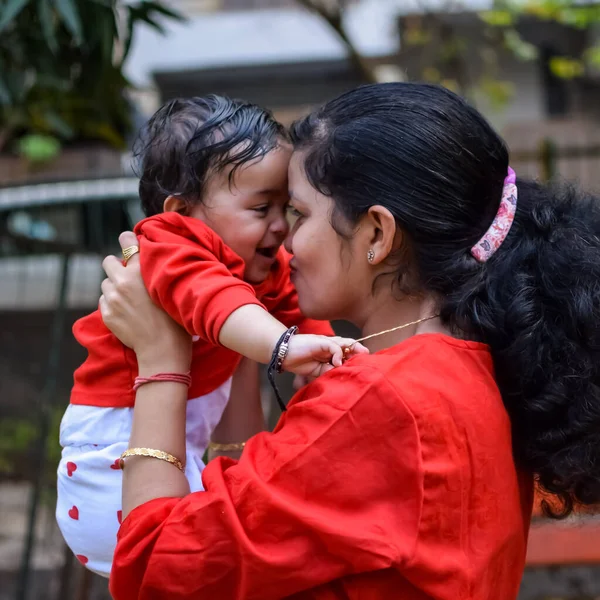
[77, 80]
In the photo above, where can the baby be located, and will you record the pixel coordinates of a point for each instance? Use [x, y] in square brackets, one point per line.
[214, 188]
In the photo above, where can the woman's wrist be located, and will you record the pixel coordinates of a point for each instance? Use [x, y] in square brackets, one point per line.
[152, 361]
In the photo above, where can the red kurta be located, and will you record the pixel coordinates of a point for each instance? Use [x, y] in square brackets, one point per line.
[389, 477]
[198, 280]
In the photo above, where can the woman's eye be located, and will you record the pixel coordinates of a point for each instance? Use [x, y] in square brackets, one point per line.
[294, 213]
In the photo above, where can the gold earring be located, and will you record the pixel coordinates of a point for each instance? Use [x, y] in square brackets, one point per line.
[370, 255]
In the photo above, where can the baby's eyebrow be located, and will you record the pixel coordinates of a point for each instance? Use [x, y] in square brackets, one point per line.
[268, 192]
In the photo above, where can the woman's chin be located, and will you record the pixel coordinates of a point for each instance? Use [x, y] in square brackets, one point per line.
[312, 309]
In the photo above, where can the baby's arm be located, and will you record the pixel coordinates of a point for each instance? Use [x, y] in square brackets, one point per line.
[195, 281]
[254, 333]
[243, 416]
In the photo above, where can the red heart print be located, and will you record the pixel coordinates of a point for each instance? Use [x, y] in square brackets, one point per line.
[116, 465]
[82, 559]
[120, 516]
[71, 468]
[74, 513]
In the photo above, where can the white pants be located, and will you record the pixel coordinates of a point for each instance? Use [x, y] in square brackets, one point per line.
[88, 509]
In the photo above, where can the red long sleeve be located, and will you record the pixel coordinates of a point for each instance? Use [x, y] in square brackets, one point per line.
[197, 279]
[390, 477]
[192, 274]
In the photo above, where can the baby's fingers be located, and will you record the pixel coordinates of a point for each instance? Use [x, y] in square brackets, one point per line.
[351, 346]
[356, 348]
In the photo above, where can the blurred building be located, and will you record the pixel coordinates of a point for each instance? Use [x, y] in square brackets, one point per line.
[278, 54]
[274, 53]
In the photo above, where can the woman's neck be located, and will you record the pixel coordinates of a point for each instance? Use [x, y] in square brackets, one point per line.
[387, 313]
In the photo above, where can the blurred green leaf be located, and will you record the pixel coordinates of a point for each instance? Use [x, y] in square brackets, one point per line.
[10, 10]
[451, 84]
[61, 78]
[47, 22]
[499, 93]
[592, 56]
[522, 49]
[415, 36]
[566, 68]
[4, 92]
[162, 9]
[38, 148]
[498, 18]
[70, 16]
[58, 125]
[432, 75]
[146, 12]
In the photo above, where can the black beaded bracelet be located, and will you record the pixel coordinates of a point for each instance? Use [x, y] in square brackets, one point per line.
[277, 359]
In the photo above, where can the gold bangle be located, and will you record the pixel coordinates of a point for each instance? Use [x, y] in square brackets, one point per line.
[216, 447]
[151, 453]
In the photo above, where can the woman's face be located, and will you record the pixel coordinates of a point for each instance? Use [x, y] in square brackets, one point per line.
[331, 278]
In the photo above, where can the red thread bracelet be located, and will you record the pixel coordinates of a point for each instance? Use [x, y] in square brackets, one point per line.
[184, 378]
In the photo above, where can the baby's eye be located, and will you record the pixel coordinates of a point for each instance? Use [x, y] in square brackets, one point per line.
[262, 209]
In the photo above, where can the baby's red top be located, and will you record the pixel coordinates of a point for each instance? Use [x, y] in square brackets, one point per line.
[198, 280]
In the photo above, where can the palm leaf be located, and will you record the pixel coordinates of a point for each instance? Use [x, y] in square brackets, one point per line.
[70, 17]
[10, 11]
[47, 22]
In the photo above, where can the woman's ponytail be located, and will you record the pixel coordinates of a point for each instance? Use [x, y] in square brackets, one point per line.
[536, 302]
[439, 167]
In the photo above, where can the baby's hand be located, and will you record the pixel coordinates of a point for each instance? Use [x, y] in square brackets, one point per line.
[313, 355]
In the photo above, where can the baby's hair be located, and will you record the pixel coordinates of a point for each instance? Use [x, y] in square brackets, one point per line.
[188, 139]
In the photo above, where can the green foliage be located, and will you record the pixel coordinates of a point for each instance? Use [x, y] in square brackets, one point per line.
[570, 13]
[18, 442]
[518, 46]
[16, 437]
[61, 71]
[441, 50]
[499, 93]
[38, 148]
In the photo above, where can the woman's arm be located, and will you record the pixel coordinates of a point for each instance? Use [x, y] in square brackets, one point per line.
[316, 500]
[336, 490]
[159, 412]
[243, 416]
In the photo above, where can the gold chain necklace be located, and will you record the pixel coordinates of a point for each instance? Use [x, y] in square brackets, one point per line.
[398, 328]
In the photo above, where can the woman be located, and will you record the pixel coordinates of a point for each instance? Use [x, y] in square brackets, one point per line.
[406, 473]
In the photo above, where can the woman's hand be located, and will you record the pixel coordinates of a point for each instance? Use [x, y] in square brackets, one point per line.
[160, 344]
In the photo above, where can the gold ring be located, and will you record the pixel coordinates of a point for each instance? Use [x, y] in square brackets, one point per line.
[129, 252]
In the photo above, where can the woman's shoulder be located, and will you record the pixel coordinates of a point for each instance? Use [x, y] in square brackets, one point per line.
[429, 363]
[424, 373]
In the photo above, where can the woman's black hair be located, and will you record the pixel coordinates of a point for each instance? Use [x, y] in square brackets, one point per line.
[187, 139]
[438, 166]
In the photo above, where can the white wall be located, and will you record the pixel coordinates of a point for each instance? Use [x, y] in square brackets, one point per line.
[220, 39]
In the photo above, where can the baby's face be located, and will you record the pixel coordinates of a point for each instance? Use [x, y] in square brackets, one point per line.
[250, 213]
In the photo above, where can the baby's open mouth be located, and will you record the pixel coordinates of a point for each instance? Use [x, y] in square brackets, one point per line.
[267, 252]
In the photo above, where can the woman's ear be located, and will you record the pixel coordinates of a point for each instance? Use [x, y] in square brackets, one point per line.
[174, 204]
[383, 234]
